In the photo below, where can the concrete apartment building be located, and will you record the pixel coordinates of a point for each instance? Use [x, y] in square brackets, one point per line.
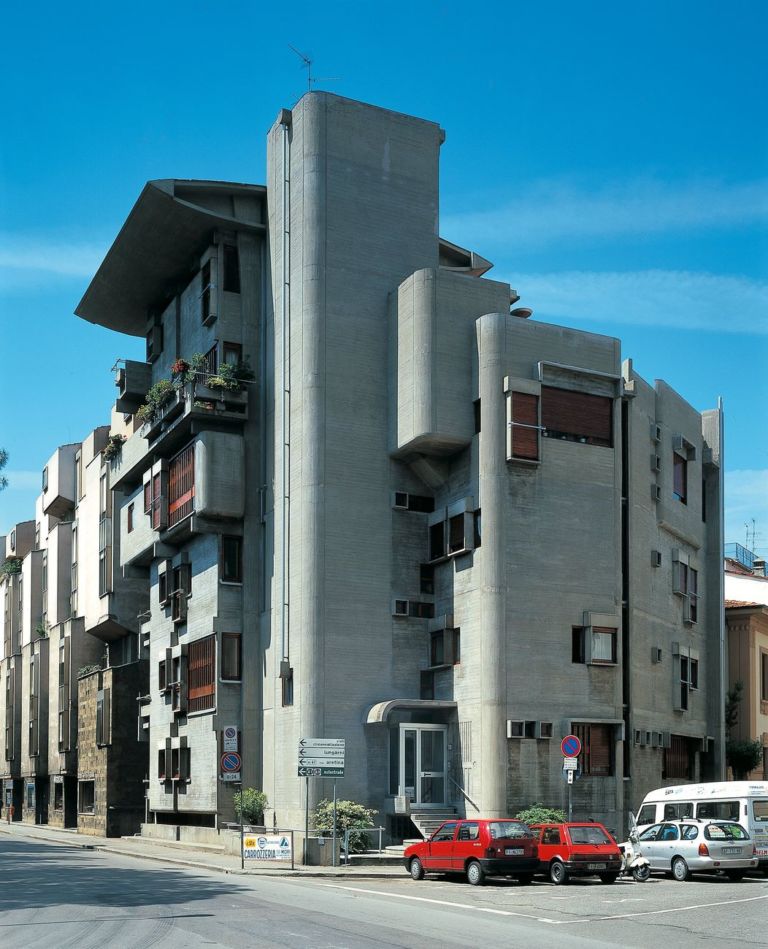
[425, 524]
[64, 614]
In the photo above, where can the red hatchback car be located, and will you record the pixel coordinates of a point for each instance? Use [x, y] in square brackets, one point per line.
[477, 848]
[567, 850]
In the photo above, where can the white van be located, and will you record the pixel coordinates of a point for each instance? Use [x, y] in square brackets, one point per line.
[742, 801]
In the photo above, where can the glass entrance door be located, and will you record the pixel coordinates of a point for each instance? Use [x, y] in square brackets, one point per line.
[422, 763]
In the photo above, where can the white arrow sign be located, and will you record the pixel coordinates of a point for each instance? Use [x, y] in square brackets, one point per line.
[321, 743]
[321, 752]
[321, 762]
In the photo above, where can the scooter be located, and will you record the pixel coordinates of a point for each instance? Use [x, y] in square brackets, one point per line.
[632, 860]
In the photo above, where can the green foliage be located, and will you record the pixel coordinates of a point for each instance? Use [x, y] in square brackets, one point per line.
[3, 463]
[10, 566]
[225, 379]
[743, 757]
[113, 447]
[252, 803]
[349, 816]
[87, 670]
[155, 399]
[539, 814]
[732, 701]
[42, 630]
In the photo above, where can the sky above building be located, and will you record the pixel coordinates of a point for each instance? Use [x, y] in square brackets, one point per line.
[611, 160]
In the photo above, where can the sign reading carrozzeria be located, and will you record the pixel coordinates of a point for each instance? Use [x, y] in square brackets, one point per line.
[266, 846]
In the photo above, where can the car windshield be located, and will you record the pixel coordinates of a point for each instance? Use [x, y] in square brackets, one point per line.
[725, 832]
[508, 829]
[589, 835]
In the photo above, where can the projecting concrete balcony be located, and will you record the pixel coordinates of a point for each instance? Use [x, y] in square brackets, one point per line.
[192, 409]
[132, 379]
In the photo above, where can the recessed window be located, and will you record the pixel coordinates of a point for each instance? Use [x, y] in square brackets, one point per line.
[476, 410]
[205, 292]
[130, 518]
[427, 579]
[596, 758]
[231, 269]
[680, 478]
[421, 610]
[231, 656]
[437, 541]
[45, 478]
[287, 688]
[231, 353]
[444, 647]
[603, 645]
[231, 559]
[201, 673]
[86, 797]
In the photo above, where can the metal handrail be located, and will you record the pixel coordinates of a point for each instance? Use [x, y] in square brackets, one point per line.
[463, 792]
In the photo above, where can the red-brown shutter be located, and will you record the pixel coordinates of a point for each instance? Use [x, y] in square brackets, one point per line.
[181, 486]
[578, 414]
[525, 412]
[201, 664]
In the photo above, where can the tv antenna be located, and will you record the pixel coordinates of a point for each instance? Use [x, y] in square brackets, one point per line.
[307, 61]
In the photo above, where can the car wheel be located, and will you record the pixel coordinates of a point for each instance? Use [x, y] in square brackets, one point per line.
[609, 877]
[735, 874]
[475, 873]
[680, 870]
[525, 878]
[557, 873]
[641, 874]
[417, 869]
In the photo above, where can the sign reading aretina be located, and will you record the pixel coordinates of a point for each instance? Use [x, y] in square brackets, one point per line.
[266, 847]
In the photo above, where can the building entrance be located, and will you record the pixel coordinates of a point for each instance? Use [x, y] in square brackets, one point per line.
[422, 764]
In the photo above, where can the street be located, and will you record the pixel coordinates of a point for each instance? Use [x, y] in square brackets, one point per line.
[57, 896]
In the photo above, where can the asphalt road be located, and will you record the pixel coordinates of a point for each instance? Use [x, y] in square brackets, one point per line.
[61, 896]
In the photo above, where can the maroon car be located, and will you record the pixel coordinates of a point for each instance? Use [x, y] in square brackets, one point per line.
[477, 848]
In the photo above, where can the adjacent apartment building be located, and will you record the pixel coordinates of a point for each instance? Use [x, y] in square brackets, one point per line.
[365, 497]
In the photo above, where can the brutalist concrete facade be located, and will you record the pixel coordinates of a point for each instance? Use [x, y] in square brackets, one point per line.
[458, 535]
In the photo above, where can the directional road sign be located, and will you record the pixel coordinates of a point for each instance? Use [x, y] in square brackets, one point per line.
[322, 743]
[570, 746]
[321, 757]
[230, 762]
[322, 772]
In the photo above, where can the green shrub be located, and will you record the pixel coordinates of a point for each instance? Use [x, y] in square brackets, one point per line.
[155, 399]
[539, 814]
[10, 566]
[743, 757]
[349, 816]
[252, 803]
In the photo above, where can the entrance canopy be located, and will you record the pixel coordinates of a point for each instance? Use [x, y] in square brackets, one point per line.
[379, 713]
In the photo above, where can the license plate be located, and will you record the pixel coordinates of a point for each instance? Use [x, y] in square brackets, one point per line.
[514, 851]
[732, 850]
[595, 866]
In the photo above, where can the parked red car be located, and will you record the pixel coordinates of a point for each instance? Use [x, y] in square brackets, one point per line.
[477, 848]
[567, 850]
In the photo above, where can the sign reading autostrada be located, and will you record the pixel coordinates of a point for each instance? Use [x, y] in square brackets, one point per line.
[321, 758]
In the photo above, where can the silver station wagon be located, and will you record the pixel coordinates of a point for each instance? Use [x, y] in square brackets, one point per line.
[689, 846]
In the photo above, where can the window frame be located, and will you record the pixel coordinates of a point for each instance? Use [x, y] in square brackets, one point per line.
[201, 675]
[237, 577]
[225, 670]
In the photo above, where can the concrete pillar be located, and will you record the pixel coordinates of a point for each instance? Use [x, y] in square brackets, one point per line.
[492, 480]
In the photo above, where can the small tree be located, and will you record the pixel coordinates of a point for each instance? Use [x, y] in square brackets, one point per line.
[3, 463]
[349, 816]
[539, 814]
[252, 803]
[743, 755]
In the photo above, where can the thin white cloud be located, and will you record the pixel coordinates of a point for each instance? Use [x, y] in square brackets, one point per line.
[551, 211]
[24, 257]
[690, 300]
[746, 497]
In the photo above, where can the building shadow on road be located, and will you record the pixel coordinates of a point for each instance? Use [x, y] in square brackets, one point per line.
[35, 876]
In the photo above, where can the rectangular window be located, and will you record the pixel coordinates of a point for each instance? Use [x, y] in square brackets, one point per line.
[79, 489]
[437, 541]
[147, 497]
[231, 269]
[763, 676]
[201, 665]
[421, 610]
[45, 478]
[231, 353]
[231, 656]
[162, 586]
[427, 685]
[603, 645]
[102, 717]
[456, 534]
[205, 291]
[476, 410]
[478, 529]
[130, 518]
[680, 478]
[182, 589]
[524, 424]
[693, 595]
[427, 579]
[181, 485]
[231, 559]
[162, 675]
[287, 689]
[677, 761]
[578, 652]
[444, 647]
[596, 758]
[58, 796]
[577, 416]
[86, 797]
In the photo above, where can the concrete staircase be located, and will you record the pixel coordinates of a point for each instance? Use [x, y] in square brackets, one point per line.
[427, 820]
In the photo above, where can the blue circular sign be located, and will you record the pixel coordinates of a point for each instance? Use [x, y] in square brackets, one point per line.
[570, 746]
[230, 762]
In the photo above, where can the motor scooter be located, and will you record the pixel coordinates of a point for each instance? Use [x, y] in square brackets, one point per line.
[632, 860]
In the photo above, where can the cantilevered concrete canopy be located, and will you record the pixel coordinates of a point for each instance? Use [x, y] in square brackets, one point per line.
[170, 223]
[379, 713]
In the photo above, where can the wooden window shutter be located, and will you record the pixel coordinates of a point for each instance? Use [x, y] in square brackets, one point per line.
[201, 666]
[525, 412]
[577, 414]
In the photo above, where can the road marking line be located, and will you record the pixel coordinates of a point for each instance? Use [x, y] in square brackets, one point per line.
[539, 919]
[424, 899]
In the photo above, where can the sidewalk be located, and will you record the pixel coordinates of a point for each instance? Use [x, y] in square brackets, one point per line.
[188, 855]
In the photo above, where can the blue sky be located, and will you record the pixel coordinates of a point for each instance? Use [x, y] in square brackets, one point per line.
[611, 161]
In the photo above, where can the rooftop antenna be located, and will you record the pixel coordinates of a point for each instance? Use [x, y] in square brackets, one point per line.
[750, 526]
[307, 61]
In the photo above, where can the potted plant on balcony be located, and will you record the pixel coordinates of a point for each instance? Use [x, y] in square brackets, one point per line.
[113, 447]
[156, 399]
[10, 566]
